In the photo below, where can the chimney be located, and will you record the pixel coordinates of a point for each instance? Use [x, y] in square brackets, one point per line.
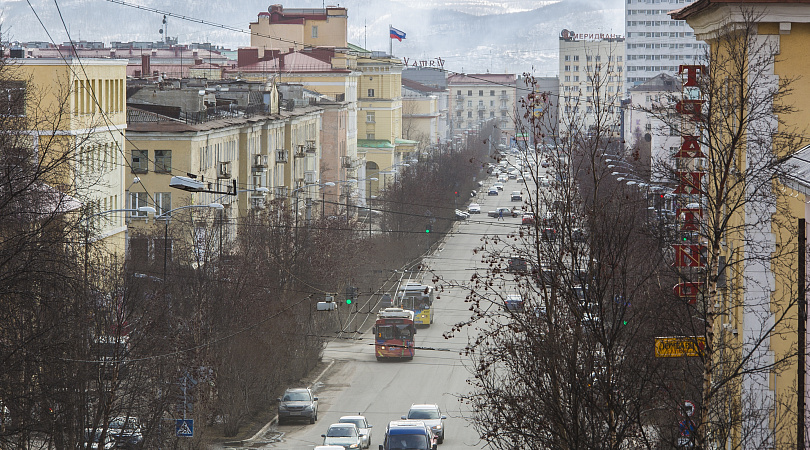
[145, 66]
[247, 56]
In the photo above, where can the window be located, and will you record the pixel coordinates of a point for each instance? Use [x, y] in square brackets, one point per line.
[576, 68]
[503, 113]
[469, 103]
[491, 114]
[163, 161]
[371, 92]
[12, 99]
[480, 104]
[567, 78]
[458, 92]
[576, 77]
[137, 200]
[469, 114]
[314, 32]
[370, 136]
[458, 113]
[480, 114]
[481, 93]
[139, 161]
[576, 57]
[370, 117]
[568, 57]
[163, 202]
[492, 103]
[492, 93]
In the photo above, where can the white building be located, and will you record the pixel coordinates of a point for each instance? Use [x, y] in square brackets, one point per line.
[641, 128]
[591, 66]
[655, 42]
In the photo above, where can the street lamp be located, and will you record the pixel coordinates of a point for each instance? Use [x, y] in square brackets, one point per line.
[307, 186]
[167, 215]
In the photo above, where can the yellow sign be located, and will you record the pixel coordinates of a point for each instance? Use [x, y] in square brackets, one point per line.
[677, 347]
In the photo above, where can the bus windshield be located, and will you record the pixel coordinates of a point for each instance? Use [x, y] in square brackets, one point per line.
[394, 332]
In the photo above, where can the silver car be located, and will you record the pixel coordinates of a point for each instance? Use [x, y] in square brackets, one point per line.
[431, 415]
[298, 404]
[363, 427]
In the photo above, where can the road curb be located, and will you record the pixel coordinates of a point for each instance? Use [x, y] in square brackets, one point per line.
[274, 420]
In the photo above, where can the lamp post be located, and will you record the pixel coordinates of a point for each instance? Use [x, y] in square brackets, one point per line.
[167, 215]
[309, 200]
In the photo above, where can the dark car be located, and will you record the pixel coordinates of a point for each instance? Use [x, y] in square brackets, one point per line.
[298, 404]
[126, 432]
[517, 265]
[513, 302]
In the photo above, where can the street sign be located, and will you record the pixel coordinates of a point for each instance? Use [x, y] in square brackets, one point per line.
[680, 346]
[184, 428]
[689, 408]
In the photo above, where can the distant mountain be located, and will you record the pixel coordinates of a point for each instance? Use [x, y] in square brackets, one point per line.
[470, 35]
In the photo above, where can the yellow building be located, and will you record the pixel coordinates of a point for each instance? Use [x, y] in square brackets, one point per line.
[83, 104]
[758, 311]
[293, 29]
[420, 113]
[379, 121]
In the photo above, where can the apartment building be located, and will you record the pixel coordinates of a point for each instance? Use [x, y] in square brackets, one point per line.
[657, 43]
[478, 98]
[646, 133]
[421, 114]
[81, 110]
[436, 79]
[293, 29]
[591, 68]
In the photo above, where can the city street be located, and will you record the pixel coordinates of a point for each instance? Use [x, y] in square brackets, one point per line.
[383, 391]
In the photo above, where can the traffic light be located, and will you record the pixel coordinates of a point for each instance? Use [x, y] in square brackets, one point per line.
[427, 229]
[456, 192]
[349, 301]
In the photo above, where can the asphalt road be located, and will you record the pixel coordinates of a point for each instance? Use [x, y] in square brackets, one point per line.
[383, 391]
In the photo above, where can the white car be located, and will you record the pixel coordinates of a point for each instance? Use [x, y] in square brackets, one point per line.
[498, 186]
[363, 427]
[503, 178]
[474, 208]
[344, 434]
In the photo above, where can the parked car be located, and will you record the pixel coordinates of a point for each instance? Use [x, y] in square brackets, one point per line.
[492, 191]
[126, 431]
[517, 196]
[475, 208]
[513, 302]
[431, 415]
[298, 403]
[462, 215]
[344, 434]
[92, 439]
[517, 264]
[363, 427]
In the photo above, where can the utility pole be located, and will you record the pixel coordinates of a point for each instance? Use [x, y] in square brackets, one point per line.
[802, 338]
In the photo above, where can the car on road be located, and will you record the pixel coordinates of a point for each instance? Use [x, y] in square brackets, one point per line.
[408, 435]
[517, 196]
[528, 219]
[363, 427]
[503, 178]
[126, 432]
[504, 211]
[92, 439]
[431, 415]
[517, 264]
[475, 208]
[498, 186]
[492, 191]
[544, 164]
[345, 435]
[513, 302]
[297, 403]
[462, 215]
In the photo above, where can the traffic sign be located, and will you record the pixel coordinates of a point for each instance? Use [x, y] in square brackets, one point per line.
[680, 346]
[184, 428]
[689, 408]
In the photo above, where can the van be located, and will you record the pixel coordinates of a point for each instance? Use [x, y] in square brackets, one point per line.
[410, 434]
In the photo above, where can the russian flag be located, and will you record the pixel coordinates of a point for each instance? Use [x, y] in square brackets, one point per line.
[397, 34]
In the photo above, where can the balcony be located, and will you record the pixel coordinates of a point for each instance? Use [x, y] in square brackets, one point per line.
[300, 152]
[310, 177]
[504, 96]
[346, 162]
[224, 170]
[310, 146]
[281, 156]
[280, 191]
[259, 163]
[482, 107]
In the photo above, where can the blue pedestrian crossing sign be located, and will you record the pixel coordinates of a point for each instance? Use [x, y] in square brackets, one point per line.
[184, 428]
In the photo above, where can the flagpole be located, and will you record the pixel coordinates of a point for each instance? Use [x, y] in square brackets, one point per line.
[390, 41]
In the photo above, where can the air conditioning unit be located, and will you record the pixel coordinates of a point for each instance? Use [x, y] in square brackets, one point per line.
[224, 169]
[259, 162]
[309, 177]
[281, 155]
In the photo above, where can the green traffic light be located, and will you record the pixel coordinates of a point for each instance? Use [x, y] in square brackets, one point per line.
[348, 301]
[624, 322]
[427, 230]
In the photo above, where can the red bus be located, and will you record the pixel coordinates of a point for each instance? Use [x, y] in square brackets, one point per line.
[394, 334]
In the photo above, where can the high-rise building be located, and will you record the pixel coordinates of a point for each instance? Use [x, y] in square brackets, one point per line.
[655, 42]
[591, 82]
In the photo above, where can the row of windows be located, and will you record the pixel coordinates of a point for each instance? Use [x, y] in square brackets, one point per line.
[89, 95]
[653, 2]
[212, 154]
[163, 202]
[567, 68]
[655, 23]
[480, 92]
[590, 88]
[480, 114]
[101, 157]
[660, 57]
[104, 204]
[589, 58]
[650, 69]
[162, 161]
[658, 34]
[671, 46]
[653, 12]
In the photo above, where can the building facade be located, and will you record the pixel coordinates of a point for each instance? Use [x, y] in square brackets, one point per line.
[483, 97]
[81, 109]
[294, 29]
[590, 69]
[657, 43]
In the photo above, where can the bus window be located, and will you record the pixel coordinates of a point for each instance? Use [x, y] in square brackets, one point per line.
[385, 332]
[405, 331]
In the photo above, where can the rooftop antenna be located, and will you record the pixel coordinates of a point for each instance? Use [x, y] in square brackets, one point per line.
[365, 34]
